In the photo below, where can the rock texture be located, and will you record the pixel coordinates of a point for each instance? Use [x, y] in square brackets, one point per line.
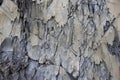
[59, 40]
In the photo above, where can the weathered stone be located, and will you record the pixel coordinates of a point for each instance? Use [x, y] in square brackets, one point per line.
[7, 45]
[48, 72]
[34, 39]
[10, 9]
[8, 12]
[59, 10]
[106, 37]
[59, 40]
[113, 6]
[34, 53]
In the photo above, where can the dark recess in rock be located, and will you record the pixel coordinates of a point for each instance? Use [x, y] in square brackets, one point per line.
[107, 25]
[1, 1]
[115, 48]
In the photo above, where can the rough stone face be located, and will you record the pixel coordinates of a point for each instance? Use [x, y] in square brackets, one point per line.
[59, 40]
[58, 9]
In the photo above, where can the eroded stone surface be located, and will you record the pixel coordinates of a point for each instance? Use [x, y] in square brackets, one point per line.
[59, 40]
[59, 10]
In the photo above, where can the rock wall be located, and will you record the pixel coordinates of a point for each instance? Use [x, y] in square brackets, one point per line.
[59, 40]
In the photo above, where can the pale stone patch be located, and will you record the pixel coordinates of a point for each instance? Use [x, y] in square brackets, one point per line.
[77, 37]
[34, 40]
[97, 56]
[8, 12]
[114, 7]
[34, 53]
[58, 8]
[109, 36]
[10, 9]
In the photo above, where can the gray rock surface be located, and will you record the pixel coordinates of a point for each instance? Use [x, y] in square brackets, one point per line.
[59, 40]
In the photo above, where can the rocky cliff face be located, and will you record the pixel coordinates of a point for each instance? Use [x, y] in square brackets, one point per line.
[59, 40]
